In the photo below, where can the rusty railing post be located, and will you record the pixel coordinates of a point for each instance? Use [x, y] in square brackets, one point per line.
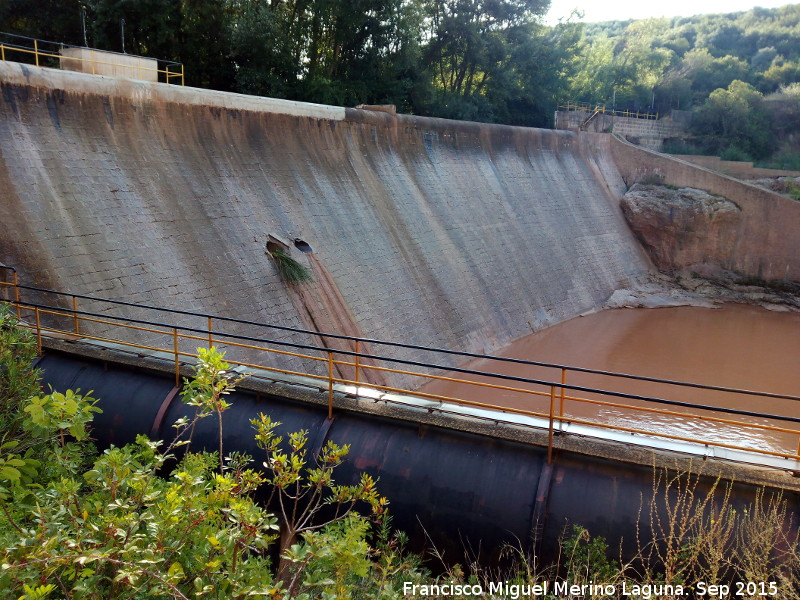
[75, 315]
[357, 357]
[210, 340]
[330, 385]
[38, 330]
[550, 429]
[177, 357]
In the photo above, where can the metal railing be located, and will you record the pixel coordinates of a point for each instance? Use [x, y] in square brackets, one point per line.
[43, 53]
[548, 397]
[605, 110]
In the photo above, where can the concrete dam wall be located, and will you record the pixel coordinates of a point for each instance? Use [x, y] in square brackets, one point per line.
[431, 232]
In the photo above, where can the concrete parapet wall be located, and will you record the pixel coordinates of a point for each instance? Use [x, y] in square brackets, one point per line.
[765, 244]
[435, 232]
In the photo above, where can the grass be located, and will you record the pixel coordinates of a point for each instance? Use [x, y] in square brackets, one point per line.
[691, 530]
[289, 269]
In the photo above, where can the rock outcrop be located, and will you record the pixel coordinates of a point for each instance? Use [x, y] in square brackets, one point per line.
[681, 227]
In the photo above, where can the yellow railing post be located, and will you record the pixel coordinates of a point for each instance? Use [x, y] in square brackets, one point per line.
[38, 330]
[550, 429]
[210, 340]
[182, 80]
[357, 357]
[36, 51]
[2, 52]
[330, 385]
[177, 357]
[75, 314]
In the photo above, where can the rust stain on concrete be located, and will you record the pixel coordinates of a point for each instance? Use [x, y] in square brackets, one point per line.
[433, 232]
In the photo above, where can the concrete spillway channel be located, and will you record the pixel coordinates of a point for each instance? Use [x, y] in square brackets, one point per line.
[466, 483]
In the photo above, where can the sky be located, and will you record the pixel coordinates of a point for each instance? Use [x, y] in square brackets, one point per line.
[618, 10]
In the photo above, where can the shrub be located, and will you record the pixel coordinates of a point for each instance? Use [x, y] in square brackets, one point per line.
[18, 379]
[84, 526]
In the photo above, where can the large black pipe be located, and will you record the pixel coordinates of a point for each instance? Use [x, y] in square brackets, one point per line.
[457, 489]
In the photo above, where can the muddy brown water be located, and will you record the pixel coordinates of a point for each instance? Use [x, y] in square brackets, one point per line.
[734, 346]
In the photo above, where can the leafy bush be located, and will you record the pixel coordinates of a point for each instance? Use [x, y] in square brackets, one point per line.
[785, 159]
[80, 525]
[118, 530]
[679, 146]
[735, 153]
[18, 379]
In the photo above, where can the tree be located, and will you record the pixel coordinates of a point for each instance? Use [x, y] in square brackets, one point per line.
[541, 65]
[329, 51]
[303, 492]
[689, 83]
[194, 32]
[625, 67]
[782, 73]
[151, 26]
[203, 43]
[762, 60]
[733, 118]
[52, 20]
[470, 47]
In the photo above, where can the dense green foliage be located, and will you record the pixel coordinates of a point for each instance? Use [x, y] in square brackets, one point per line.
[737, 72]
[148, 521]
[488, 60]
[691, 57]
[458, 58]
[18, 379]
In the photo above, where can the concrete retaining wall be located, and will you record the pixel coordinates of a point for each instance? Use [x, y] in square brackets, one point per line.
[735, 168]
[643, 132]
[766, 243]
[435, 232]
